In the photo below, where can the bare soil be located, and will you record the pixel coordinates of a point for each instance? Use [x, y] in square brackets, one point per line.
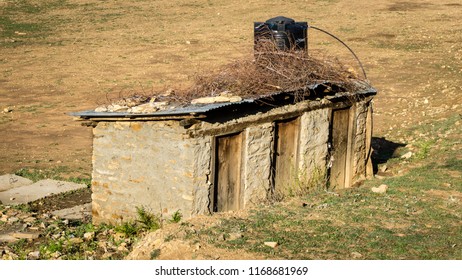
[91, 52]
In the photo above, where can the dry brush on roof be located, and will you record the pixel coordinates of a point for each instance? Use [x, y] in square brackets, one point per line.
[269, 70]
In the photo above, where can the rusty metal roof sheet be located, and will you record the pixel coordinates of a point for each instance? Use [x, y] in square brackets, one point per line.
[198, 109]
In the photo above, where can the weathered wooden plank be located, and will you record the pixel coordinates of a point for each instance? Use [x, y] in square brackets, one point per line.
[228, 173]
[286, 151]
[339, 150]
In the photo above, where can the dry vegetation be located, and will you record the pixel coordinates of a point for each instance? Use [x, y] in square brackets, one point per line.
[63, 56]
[266, 71]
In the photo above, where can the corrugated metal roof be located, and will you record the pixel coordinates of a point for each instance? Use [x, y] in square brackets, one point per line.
[197, 109]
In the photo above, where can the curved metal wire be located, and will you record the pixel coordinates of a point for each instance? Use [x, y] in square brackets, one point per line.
[352, 52]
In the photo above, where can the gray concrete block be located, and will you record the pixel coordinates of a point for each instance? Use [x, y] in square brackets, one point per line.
[37, 191]
[78, 212]
[11, 181]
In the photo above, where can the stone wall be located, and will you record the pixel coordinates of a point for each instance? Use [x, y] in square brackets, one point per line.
[362, 132]
[165, 167]
[259, 143]
[314, 138]
[141, 164]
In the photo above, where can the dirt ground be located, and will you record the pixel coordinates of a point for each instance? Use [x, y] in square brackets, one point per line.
[58, 57]
[76, 54]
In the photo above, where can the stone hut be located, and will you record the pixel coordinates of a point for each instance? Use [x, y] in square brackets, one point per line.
[225, 156]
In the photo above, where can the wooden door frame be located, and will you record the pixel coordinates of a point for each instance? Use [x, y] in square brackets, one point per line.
[349, 145]
[213, 194]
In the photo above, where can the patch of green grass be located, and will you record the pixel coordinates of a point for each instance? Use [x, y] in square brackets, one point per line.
[128, 228]
[176, 217]
[148, 220]
[55, 173]
[22, 21]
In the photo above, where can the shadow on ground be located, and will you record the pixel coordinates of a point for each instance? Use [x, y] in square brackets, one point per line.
[383, 150]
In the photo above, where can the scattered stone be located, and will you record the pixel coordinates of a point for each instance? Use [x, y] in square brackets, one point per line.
[216, 99]
[271, 244]
[122, 247]
[380, 189]
[235, 236]
[56, 255]
[407, 155]
[7, 238]
[78, 212]
[56, 236]
[149, 107]
[29, 220]
[26, 235]
[33, 255]
[75, 240]
[13, 219]
[356, 255]
[89, 236]
[107, 255]
[384, 168]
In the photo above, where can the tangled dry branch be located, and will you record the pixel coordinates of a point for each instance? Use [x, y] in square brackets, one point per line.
[269, 70]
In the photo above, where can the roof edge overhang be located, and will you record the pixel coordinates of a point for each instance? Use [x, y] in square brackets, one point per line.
[325, 90]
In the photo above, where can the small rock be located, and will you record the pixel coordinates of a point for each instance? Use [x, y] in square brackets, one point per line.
[235, 235]
[89, 236]
[56, 255]
[107, 255]
[380, 189]
[33, 255]
[407, 155]
[7, 110]
[56, 236]
[29, 220]
[46, 215]
[13, 219]
[356, 255]
[271, 244]
[101, 109]
[122, 247]
[383, 168]
[7, 238]
[75, 240]
[216, 99]
[26, 235]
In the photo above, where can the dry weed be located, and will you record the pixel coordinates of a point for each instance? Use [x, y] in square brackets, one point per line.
[269, 70]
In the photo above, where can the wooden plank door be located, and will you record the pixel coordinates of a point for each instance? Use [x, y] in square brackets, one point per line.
[228, 193]
[286, 151]
[339, 147]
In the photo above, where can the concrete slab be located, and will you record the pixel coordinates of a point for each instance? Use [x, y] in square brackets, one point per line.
[10, 181]
[78, 212]
[36, 191]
